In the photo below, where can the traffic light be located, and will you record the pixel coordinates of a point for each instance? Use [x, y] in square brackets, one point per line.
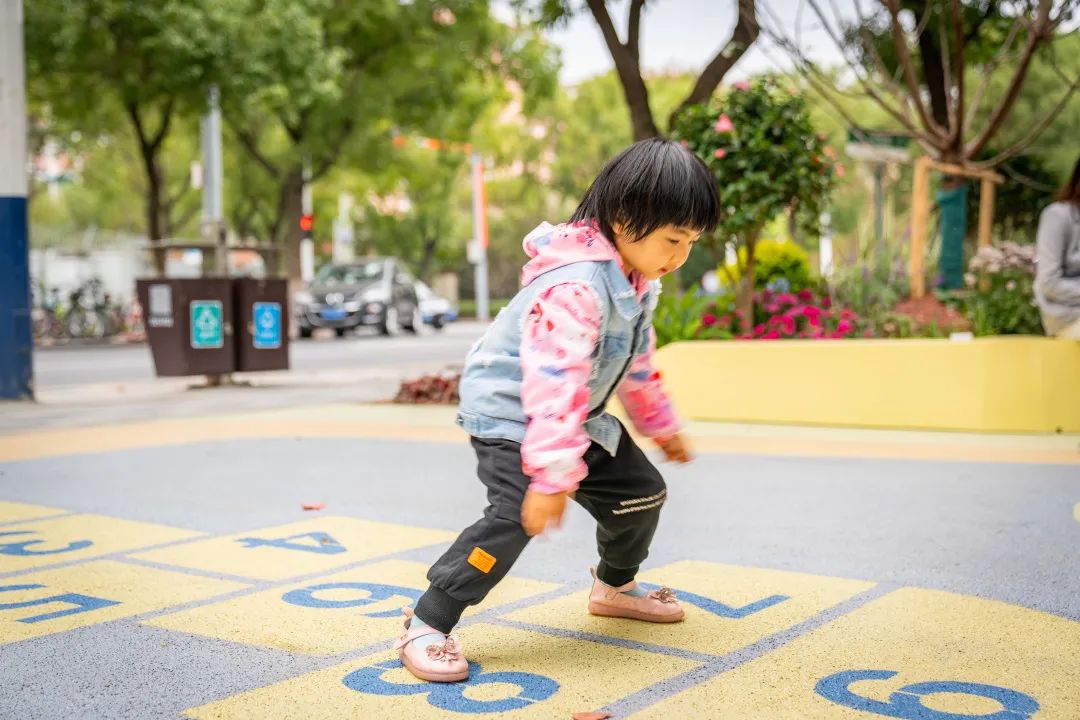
[307, 222]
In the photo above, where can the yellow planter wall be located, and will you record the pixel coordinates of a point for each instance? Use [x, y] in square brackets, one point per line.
[1002, 384]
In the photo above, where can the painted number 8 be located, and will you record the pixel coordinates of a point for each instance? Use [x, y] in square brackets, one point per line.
[451, 696]
[906, 703]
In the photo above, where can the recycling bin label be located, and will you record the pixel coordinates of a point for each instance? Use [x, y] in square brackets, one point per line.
[266, 322]
[207, 332]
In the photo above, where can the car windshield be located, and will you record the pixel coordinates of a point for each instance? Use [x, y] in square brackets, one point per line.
[349, 274]
[423, 292]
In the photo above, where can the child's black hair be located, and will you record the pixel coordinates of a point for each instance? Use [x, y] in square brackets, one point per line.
[650, 184]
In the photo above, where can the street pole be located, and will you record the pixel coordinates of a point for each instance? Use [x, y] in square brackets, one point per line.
[214, 181]
[480, 237]
[307, 244]
[16, 338]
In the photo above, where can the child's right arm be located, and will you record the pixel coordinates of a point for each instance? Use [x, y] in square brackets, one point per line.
[557, 342]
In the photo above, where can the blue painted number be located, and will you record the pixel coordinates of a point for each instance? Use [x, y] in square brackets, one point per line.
[451, 696]
[718, 608]
[82, 603]
[23, 547]
[305, 597]
[906, 703]
[322, 543]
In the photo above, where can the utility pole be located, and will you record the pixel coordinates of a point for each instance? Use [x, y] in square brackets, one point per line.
[480, 238]
[213, 204]
[16, 338]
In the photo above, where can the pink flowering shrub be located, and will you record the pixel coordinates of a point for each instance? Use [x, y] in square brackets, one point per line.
[783, 316]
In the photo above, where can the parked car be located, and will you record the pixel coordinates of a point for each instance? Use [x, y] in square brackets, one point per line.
[375, 292]
[435, 309]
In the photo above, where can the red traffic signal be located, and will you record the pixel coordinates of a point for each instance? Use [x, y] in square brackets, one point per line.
[307, 222]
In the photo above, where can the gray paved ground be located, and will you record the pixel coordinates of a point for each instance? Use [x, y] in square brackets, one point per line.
[996, 531]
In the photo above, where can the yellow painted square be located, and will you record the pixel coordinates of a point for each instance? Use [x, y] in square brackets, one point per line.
[923, 636]
[94, 592]
[562, 675]
[15, 511]
[35, 543]
[330, 614]
[758, 602]
[284, 551]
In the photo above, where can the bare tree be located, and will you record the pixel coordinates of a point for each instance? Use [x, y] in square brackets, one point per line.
[627, 57]
[930, 99]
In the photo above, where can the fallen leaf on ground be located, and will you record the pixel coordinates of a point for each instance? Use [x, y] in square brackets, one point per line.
[592, 716]
[313, 506]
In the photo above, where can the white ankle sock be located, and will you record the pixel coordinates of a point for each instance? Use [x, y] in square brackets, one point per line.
[426, 639]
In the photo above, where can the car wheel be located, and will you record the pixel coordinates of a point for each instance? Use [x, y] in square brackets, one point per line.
[416, 325]
[340, 332]
[305, 332]
[438, 322]
[390, 324]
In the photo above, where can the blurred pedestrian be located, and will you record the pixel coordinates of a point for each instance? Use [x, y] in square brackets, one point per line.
[1057, 281]
[534, 391]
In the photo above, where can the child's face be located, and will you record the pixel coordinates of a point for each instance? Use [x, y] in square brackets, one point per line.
[658, 253]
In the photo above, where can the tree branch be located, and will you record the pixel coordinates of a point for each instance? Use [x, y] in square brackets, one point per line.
[889, 79]
[163, 129]
[810, 71]
[997, 118]
[324, 166]
[949, 79]
[132, 109]
[988, 73]
[607, 28]
[171, 200]
[251, 145]
[958, 68]
[1035, 132]
[629, 71]
[633, 34]
[743, 36]
[904, 57]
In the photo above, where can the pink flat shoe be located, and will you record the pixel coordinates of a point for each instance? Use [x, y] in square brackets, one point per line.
[438, 662]
[658, 606]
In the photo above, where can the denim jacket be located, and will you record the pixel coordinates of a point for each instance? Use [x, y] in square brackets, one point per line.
[545, 369]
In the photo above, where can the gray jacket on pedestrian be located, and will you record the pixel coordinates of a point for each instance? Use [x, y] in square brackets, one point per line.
[1057, 281]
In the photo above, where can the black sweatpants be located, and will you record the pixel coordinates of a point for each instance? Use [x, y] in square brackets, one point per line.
[624, 493]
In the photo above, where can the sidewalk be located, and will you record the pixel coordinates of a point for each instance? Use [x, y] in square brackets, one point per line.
[436, 424]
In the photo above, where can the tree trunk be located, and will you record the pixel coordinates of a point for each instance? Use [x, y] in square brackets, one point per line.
[745, 299]
[287, 223]
[155, 186]
[934, 74]
[427, 256]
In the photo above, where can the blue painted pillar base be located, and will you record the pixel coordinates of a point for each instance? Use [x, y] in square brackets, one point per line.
[16, 338]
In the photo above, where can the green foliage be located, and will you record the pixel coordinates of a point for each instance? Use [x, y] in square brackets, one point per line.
[872, 290]
[772, 157]
[1028, 188]
[774, 261]
[1000, 299]
[679, 316]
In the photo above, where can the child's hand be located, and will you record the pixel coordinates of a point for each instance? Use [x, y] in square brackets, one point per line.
[539, 511]
[676, 448]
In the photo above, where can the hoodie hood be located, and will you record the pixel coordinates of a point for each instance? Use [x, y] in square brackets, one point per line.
[552, 246]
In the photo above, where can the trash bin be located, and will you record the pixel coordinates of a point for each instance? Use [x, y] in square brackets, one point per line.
[262, 324]
[189, 325]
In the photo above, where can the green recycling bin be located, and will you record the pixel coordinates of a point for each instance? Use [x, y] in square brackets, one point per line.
[189, 325]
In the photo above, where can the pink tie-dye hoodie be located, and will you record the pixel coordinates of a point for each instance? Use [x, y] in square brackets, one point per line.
[558, 337]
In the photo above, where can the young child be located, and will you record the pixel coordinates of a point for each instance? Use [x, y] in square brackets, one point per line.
[535, 387]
